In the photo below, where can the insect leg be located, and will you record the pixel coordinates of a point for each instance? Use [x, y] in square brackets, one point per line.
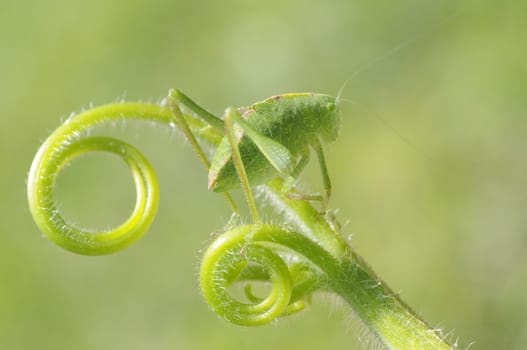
[175, 97]
[325, 178]
[180, 97]
[305, 197]
[232, 116]
[287, 188]
[324, 170]
[290, 181]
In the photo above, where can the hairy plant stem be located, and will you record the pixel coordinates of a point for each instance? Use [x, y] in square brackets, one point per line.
[390, 319]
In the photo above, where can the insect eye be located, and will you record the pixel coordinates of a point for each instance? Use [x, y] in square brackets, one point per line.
[330, 106]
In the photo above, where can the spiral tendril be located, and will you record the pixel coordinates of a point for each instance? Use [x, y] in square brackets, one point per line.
[70, 141]
[262, 252]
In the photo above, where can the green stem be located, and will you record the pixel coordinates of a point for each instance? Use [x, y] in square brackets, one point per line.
[393, 322]
[329, 264]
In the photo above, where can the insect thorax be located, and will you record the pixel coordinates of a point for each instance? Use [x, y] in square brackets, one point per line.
[296, 120]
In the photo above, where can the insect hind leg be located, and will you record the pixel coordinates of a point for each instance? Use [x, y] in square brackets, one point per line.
[176, 97]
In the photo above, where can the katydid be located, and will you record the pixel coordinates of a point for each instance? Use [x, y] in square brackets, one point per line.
[265, 140]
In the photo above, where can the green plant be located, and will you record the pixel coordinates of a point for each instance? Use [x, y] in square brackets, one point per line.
[302, 255]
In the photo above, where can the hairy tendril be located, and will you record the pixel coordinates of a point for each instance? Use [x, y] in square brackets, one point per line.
[309, 256]
[251, 252]
[72, 140]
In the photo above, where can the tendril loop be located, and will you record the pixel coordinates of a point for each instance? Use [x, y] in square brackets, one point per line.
[263, 253]
[84, 241]
[70, 141]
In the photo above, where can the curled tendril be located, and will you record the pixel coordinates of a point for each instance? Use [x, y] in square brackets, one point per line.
[294, 265]
[84, 241]
[70, 141]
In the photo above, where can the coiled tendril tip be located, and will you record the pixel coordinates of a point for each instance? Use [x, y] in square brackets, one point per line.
[70, 141]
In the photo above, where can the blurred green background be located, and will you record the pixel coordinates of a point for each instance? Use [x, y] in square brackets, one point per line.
[441, 217]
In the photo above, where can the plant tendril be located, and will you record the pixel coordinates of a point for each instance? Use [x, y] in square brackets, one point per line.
[308, 256]
[70, 141]
[316, 258]
[223, 264]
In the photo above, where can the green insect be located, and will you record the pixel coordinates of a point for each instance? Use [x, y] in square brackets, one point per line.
[268, 139]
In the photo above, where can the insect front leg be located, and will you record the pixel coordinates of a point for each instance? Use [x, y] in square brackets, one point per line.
[288, 184]
[175, 98]
[324, 171]
[291, 179]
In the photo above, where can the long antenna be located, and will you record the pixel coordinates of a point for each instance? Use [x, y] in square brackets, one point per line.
[390, 126]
